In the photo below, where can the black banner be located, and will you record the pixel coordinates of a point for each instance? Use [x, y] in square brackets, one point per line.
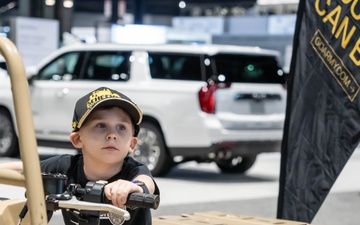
[322, 124]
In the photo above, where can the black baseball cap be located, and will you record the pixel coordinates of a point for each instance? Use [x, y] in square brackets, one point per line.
[101, 97]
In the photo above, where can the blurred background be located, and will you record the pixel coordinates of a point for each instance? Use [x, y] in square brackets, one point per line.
[264, 23]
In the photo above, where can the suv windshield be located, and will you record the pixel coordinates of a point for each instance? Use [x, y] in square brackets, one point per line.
[248, 69]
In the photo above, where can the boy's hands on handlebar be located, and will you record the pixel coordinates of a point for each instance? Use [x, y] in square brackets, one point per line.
[118, 191]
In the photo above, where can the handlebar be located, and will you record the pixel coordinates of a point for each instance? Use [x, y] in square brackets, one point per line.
[94, 192]
[89, 201]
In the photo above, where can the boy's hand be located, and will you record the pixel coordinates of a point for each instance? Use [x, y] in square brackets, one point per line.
[118, 191]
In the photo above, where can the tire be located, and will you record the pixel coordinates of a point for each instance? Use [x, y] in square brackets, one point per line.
[9, 145]
[151, 150]
[236, 165]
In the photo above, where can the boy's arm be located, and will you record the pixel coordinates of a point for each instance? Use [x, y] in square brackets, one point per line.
[18, 166]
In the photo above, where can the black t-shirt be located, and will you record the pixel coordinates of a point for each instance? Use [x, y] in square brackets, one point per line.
[73, 167]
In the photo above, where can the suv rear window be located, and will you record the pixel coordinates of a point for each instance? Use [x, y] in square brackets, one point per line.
[248, 68]
[175, 66]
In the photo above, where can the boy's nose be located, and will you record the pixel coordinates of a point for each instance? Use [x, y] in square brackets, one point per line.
[111, 136]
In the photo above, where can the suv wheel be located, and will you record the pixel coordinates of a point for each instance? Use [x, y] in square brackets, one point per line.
[151, 150]
[238, 164]
[8, 138]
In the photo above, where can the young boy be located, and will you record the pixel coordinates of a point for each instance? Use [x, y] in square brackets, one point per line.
[105, 127]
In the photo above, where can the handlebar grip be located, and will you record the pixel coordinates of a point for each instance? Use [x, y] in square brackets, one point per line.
[143, 200]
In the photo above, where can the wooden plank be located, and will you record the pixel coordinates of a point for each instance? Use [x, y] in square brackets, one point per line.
[247, 219]
[219, 218]
[176, 220]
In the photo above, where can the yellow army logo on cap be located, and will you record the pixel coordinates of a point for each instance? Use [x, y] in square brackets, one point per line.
[99, 95]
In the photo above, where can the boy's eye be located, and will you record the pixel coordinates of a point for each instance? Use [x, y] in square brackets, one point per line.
[100, 125]
[121, 127]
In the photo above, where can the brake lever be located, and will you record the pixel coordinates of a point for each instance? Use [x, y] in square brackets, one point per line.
[73, 203]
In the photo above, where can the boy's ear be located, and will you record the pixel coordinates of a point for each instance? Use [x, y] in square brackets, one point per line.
[133, 144]
[75, 140]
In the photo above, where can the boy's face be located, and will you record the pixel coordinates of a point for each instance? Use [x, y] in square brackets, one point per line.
[106, 136]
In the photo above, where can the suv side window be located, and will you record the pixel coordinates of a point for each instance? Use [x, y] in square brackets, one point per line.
[248, 68]
[113, 66]
[175, 66]
[65, 67]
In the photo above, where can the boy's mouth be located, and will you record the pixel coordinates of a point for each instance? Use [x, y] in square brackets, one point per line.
[112, 148]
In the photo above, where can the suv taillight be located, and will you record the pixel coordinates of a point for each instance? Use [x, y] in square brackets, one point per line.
[207, 96]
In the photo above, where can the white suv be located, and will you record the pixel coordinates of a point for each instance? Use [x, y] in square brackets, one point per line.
[200, 102]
